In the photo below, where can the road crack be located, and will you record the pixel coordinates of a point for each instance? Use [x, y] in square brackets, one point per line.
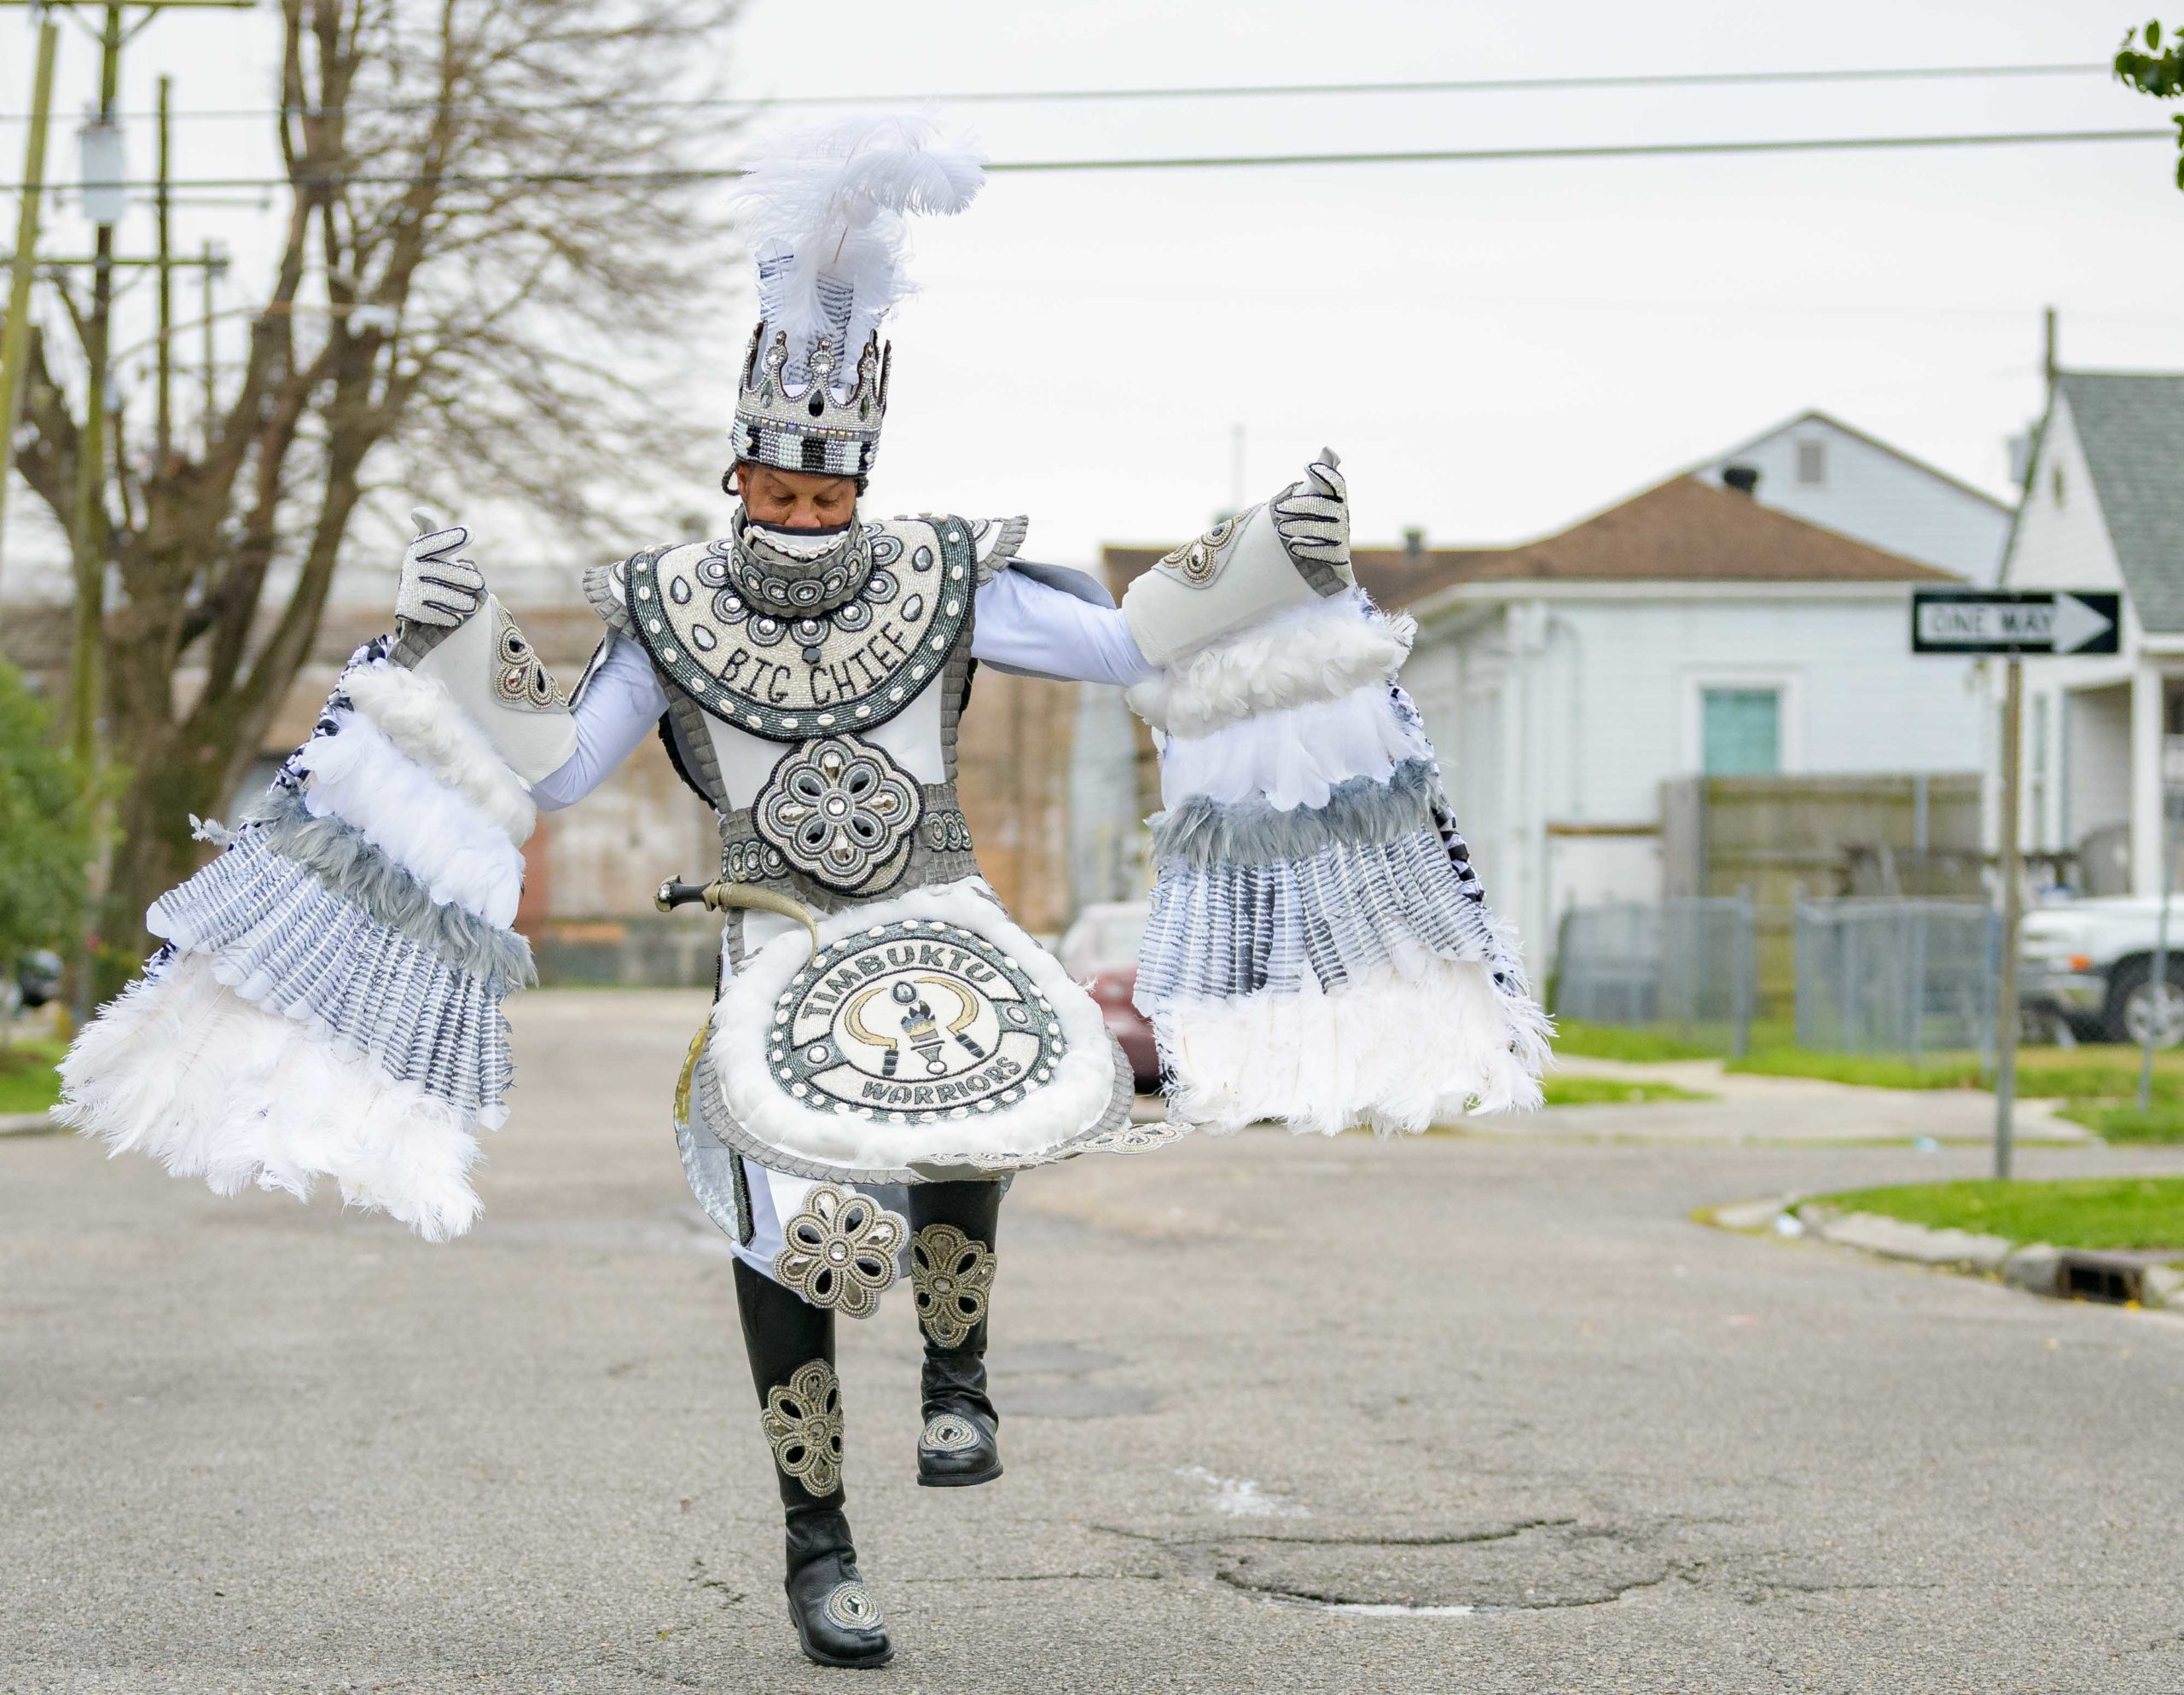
[1328, 1538]
[1321, 1597]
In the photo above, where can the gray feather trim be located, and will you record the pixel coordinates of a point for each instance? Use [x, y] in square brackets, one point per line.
[1226, 931]
[606, 599]
[339, 854]
[1357, 813]
[273, 933]
[998, 557]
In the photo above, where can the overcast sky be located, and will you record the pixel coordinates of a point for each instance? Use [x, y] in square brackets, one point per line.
[1496, 349]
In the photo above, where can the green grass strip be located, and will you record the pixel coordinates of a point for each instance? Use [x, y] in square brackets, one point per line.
[1633, 1044]
[28, 1082]
[1576, 1091]
[2122, 1121]
[2087, 1073]
[2095, 1212]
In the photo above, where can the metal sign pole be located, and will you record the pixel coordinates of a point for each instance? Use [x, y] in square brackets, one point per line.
[2009, 624]
[2005, 1013]
[2157, 985]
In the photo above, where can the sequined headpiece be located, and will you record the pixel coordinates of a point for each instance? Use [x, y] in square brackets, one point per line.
[824, 212]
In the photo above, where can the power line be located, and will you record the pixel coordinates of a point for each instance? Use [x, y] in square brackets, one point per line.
[1218, 161]
[1225, 91]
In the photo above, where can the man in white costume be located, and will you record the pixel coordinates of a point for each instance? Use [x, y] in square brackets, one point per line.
[328, 1000]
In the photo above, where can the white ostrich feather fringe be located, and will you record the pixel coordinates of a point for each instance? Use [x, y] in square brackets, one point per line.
[821, 210]
[417, 714]
[183, 1069]
[361, 777]
[1319, 653]
[1293, 756]
[1398, 1048]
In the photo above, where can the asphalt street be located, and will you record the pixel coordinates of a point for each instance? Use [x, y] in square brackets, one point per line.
[1466, 1414]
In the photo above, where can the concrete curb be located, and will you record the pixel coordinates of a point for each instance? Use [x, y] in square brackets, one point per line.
[1893, 1238]
[30, 1124]
[2152, 1277]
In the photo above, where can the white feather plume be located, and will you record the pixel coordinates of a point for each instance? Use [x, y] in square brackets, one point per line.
[823, 211]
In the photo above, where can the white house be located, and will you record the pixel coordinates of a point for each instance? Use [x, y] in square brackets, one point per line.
[1691, 629]
[2104, 508]
[1821, 470]
[1720, 623]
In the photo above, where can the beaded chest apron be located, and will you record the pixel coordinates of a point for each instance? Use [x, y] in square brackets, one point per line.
[914, 1032]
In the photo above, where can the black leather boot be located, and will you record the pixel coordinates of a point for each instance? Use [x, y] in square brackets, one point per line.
[951, 1278]
[791, 1343]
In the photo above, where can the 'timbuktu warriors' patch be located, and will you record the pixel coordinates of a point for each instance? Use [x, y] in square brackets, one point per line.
[911, 1022]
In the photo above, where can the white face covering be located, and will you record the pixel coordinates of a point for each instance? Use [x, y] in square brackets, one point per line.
[804, 544]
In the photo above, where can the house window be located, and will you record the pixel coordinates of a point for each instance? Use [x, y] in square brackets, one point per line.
[1740, 732]
[1812, 464]
[2058, 485]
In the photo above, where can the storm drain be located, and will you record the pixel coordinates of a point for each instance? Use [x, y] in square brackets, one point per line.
[2098, 1277]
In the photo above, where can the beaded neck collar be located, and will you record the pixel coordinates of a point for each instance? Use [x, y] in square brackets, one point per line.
[786, 582]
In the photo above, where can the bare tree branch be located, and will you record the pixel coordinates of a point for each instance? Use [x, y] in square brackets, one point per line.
[434, 332]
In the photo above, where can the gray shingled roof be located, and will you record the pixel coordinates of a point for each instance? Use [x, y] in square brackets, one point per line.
[2132, 428]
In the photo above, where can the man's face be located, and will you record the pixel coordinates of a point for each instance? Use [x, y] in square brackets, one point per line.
[795, 500]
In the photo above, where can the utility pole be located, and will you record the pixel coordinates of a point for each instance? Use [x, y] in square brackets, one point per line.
[163, 437]
[2006, 1010]
[212, 343]
[2160, 997]
[2008, 1016]
[91, 526]
[15, 339]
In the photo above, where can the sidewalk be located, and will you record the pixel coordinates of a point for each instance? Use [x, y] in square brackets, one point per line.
[1767, 1109]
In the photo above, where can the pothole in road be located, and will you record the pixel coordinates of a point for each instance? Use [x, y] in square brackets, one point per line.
[1520, 1568]
[1530, 1565]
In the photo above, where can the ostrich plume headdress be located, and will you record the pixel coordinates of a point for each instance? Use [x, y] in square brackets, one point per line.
[824, 212]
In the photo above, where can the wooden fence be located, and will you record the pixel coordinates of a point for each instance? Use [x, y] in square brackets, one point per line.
[1785, 837]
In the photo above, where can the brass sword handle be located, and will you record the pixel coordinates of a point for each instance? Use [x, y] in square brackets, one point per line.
[721, 896]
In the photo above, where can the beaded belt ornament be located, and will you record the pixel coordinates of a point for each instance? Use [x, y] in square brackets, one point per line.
[842, 812]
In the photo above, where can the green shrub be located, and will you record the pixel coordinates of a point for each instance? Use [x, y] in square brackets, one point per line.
[45, 839]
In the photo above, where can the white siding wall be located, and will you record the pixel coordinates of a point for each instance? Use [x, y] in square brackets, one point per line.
[1877, 496]
[1623, 676]
[2096, 759]
[2062, 543]
[1605, 701]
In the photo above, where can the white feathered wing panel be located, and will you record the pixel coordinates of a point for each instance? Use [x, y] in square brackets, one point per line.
[1319, 950]
[328, 1001]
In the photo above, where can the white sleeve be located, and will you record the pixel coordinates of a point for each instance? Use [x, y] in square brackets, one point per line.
[616, 705]
[1028, 626]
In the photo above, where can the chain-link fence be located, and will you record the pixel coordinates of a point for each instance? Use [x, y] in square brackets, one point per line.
[1893, 976]
[1683, 965]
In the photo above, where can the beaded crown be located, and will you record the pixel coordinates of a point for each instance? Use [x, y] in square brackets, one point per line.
[792, 412]
[825, 212]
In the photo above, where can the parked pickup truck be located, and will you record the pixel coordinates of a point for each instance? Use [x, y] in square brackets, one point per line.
[2089, 966]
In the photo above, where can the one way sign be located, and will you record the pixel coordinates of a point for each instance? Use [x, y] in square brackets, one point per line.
[2014, 621]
